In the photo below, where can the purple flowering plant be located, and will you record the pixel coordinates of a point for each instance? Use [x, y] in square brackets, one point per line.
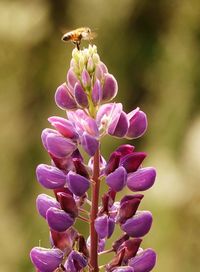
[90, 115]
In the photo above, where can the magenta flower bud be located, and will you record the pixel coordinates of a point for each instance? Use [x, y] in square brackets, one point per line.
[80, 168]
[71, 78]
[64, 98]
[77, 183]
[80, 96]
[117, 244]
[137, 124]
[113, 162]
[96, 93]
[138, 225]
[144, 261]
[131, 162]
[75, 262]
[89, 143]
[44, 202]
[46, 260]
[142, 179]
[110, 88]
[59, 146]
[117, 179]
[63, 240]
[68, 203]
[64, 127]
[120, 128]
[131, 247]
[104, 226]
[50, 177]
[125, 149]
[62, 190]
[59, 220]
[85, 78]
[124, 269]
[128, 207]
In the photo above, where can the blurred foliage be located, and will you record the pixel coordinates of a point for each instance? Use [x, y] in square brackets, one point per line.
[152, 48]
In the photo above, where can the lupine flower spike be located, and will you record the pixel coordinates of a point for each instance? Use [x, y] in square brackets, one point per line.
[86, 97]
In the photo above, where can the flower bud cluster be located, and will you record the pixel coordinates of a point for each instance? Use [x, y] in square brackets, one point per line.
[86, 97]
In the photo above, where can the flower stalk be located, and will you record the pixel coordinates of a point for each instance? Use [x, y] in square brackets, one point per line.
[93, 214]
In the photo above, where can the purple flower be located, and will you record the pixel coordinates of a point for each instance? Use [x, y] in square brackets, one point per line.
[58, 145]
[75, 262]
[71, 78]
[64, 99]
[85, 78]
[110, 88]
[83, 123]
[117, 179]
[63, 240]
[111, 119]
[64, 127]
[142, 179]
[80, 96]
[89, 143]
[128, 207]
[104, 226]
[101, 244]
[58, 219]
[131, 162]
[68, 203]
[44, 202]
[137, 124]
[144, 261]
[77, 183]
[50, 177]
[97, 93]
[46, 260]
[138, 225]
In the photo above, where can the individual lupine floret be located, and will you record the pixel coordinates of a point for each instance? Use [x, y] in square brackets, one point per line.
[138, 225]
[44, 202]
[142, 179]
[77, 183]
[64, 98]
[46, 260]
[58, 219]
[64, 240]
[137, 124]
[104, 226]
[144, 261]
[75, 262]
[50, 177]
[56, 144]
[117, 179]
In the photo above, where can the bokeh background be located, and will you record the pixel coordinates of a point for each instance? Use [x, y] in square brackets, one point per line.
[153, 49]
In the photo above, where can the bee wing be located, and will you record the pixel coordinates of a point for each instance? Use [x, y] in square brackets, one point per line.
[93, 35]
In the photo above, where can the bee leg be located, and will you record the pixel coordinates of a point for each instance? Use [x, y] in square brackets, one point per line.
[78, 45]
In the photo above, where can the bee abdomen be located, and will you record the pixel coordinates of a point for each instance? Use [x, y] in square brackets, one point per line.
[66, 37]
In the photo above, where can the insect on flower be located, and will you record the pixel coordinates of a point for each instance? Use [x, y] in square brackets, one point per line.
[76, 35]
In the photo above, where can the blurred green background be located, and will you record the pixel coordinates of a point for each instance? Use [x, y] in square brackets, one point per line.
[153, 49]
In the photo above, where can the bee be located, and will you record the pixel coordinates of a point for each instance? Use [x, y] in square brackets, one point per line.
[76, 35]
